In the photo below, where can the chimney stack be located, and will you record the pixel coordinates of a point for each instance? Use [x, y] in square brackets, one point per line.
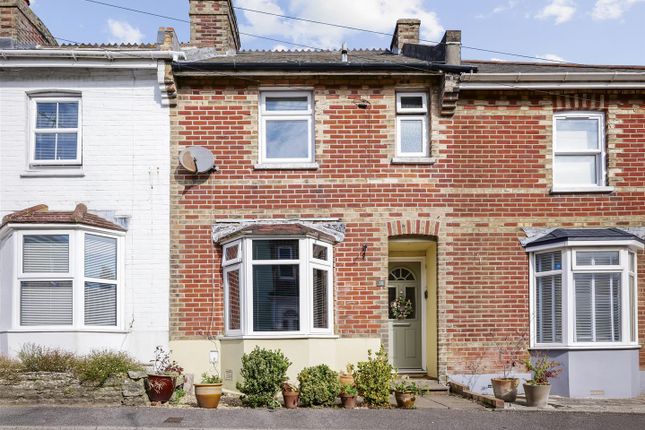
[213, 25]
[21, 28]
[407, 31]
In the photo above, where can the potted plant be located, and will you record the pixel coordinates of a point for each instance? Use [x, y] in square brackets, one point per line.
[405, 393]
[348, 395]
[346, 377]
[537, 389]
[508, 354]
[161, 382]
[291, 395]
[209, 392]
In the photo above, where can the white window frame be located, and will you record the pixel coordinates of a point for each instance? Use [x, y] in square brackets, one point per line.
[412, 114]
[569, 268]
[265, 116]
[306, 264]
[76, 275]
[600, 153]
[34, 100]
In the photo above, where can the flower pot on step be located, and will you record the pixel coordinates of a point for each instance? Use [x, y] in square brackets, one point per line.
[208, 395]
[405, 400]
[160, 387]
[505, 388]
[349, 402]
[291, 399]
[537, 395]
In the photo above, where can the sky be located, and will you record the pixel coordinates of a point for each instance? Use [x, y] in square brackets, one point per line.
[579, 31]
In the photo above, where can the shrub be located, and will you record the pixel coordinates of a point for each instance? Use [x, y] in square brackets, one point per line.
[319, 386]
[99, 366]
[36, 358]
[9, 368]
[373, 378]
[263, 372]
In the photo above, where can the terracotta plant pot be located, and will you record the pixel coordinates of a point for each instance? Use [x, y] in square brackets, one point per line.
[349, 402]
[160, 387]
[208, 395]
[537, 395]
[505, 388]
[405, 400]
[291, 399]
[346, 379]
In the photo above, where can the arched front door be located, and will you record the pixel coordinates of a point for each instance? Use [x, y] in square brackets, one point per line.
[405, 279]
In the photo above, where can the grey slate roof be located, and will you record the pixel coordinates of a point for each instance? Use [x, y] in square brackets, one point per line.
[526, 67]
[582, 234]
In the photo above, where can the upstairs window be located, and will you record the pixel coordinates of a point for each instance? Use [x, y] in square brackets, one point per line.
[412, 125]
[578, 151]
[278, 287]
[56, 131]
[286, 127]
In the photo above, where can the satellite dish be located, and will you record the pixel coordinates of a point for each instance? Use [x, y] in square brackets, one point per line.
[197, 159]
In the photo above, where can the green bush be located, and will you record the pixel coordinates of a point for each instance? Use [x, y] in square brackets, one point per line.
[9, 368]
[319, 386]
[37, 358]
[99, 366]
[373, 378]
[263, 372]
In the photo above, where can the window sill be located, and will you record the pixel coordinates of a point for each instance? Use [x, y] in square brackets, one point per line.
[279, 337]
[603, 347]
[286, 166]
[590, 189]
[112, 330]
[53, 173]
[413, 160]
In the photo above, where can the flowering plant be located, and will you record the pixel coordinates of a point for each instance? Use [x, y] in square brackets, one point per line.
[163, 365]
[401, 307]
[542, 368]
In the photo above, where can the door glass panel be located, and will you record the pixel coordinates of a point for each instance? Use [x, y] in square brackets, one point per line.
[411, 295]
[391, 296]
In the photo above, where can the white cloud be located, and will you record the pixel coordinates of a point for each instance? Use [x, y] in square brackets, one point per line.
[377, 15]
[123, 32]
[611, 9]
[551, 58]
[559, 10]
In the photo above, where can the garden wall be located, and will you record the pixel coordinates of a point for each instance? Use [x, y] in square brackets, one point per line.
[65, 388]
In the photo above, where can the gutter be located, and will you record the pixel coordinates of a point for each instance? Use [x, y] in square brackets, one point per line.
[568, 80]
[90, 54]
[233, 66]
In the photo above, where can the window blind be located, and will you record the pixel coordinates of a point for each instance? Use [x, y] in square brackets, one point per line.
[320, 302]
[100, 304]
[45, 253]
[549, 309]
[276, 298]
[46, 303]
[100, 257]
[598, 307]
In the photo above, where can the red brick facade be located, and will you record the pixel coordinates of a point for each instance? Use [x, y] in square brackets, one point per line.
[492, 177]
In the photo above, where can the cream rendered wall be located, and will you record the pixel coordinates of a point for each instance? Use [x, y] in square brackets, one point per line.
[193, 355]
[126, 171]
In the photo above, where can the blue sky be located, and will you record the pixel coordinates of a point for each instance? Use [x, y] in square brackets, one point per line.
[584, 31]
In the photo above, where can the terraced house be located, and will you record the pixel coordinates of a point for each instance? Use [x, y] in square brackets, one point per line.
[499, 198]
[84, 190]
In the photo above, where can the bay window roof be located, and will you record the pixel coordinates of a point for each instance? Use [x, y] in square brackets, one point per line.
[40, 214]
[565, 235]
[332, 232]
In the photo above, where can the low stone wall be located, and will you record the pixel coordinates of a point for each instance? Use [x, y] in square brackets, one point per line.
[66, 389]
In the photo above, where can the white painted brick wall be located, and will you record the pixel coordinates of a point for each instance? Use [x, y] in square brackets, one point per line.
[126, 164]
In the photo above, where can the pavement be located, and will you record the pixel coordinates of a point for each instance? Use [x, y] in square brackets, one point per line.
[124, 418]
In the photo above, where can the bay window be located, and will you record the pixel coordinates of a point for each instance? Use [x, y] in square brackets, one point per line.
[584, 297]
[277, 287]
[68, 278]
